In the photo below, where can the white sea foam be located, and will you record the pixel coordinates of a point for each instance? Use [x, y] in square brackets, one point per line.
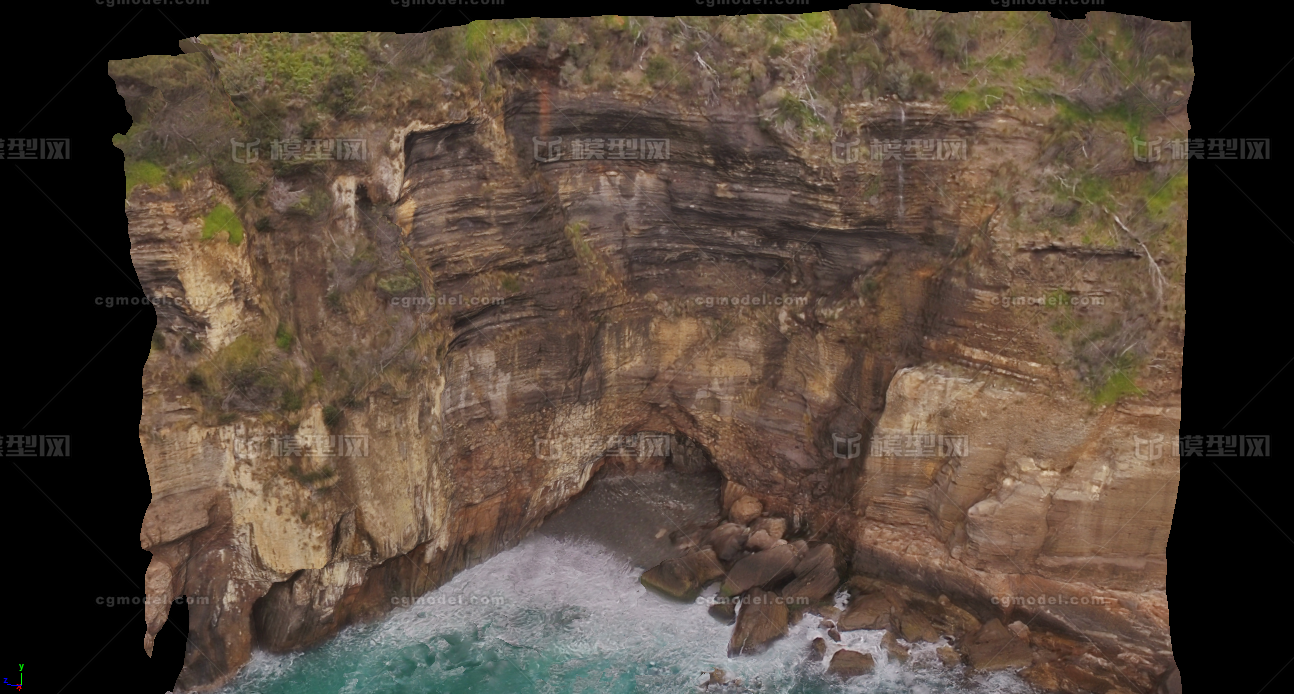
[574, 618]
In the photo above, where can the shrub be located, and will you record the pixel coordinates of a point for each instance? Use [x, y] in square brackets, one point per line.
[236, 177]
[332, 416]
[291, 400]
[283, 336]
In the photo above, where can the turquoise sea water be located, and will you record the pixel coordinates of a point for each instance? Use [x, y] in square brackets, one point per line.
[565, 614]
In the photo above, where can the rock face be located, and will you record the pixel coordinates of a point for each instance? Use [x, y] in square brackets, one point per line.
[996, 648]
[867, 612]
[846, 664]
[455, 325]
[761, 618]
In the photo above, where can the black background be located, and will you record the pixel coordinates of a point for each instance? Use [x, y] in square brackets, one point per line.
[71, 367]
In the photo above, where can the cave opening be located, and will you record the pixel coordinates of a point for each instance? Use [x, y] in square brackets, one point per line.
[646, 501]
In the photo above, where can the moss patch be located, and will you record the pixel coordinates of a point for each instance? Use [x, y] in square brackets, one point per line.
[143, 173]
[223, 219]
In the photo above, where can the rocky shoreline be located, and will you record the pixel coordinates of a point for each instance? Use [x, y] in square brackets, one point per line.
[770, 579]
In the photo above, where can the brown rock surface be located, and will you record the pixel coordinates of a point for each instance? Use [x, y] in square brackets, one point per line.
[760, 569]
[870, 611]
[774, 526]
[847, 664]
[892, 646]
[728, 540]
[745, 510]
[761, 619]
[684, 577]
[994, 647]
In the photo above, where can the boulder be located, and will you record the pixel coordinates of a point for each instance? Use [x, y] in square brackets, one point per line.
[817, 649]
[816, 557]
[761, 619]
[834, 633]
[724, 611]
[774, 526]
[816, 583]
[892, 646]
[684, 577]
[948, 656]
[728, 540]
[867, 612]
[760, 569]
[994, 647]
[745, 510]
[760, 540]
[731, 492]
[847, 664]
[827, 611]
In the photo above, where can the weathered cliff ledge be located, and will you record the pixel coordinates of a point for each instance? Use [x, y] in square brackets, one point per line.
[463, 310]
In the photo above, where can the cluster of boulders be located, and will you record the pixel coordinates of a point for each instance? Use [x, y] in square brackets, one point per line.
[1049, 661]
[767, 581]
[770, 582]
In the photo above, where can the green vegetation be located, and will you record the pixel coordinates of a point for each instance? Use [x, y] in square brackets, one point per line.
[299, 64]
[309, 478]
[399, 284]
[1160, 196]
[333, 300]
[283, 336]
[143, 173]
[1065, 323]
[660, 70]
[583, 251]
[313, 204]
[332, 416]
[291, 400]
[968, 101]
[237, 178]
[1119, 380]
[509, 282]
[222, 220]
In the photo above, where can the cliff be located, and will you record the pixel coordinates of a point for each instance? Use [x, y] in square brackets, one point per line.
[950, 359]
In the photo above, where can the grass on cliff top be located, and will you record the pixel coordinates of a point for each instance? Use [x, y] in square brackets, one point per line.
[143, 173]
[222, 219]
